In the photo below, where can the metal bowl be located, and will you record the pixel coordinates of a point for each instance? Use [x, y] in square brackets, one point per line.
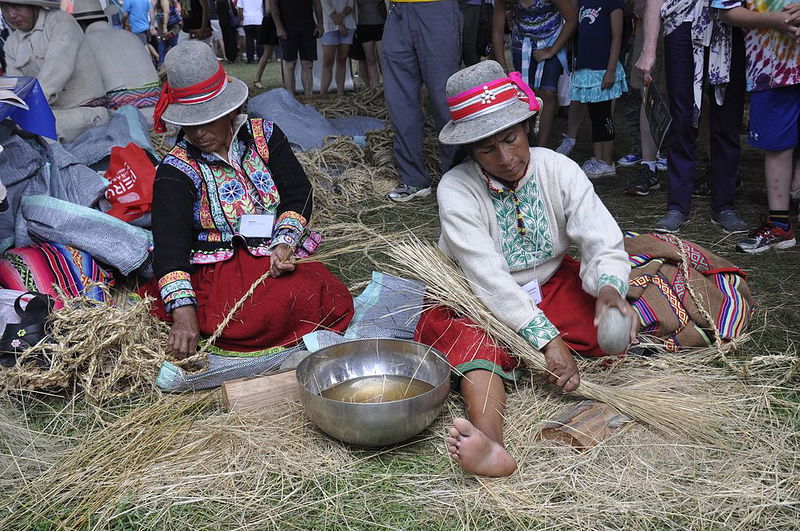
[373, 424]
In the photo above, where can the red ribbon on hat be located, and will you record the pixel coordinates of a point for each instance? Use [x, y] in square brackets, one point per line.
[490, 97]
[193, 94]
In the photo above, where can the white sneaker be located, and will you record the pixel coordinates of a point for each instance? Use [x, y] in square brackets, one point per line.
[566, 146]
[594, 168]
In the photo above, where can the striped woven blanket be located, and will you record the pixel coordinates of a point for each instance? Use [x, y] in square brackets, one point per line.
[684, 294]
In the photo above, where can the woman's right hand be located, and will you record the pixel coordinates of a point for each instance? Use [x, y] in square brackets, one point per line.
[562, 366]
[185, 332]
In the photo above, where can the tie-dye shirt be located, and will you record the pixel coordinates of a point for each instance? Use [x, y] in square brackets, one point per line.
[773, 60]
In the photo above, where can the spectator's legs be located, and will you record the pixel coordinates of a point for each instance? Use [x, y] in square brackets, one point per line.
[266, 57]
[577, 111]
[602, 131]
[341, 66]
[725, 122]
[546, 115]
[250, 38]
[469, 46]
[778, 167]
[679, 71]
[306, 77]
[438, 46]
[402, 84]
[371, 52]
[288, 75]
[631, 103]
[326, 74]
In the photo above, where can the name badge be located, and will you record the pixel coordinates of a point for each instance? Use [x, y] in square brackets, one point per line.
[532, 289]
[256, 225]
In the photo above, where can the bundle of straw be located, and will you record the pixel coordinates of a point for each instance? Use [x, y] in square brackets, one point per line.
[669, 412]
[107, 351]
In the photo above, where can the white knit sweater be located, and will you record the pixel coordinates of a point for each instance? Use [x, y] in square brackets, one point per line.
[559, 207]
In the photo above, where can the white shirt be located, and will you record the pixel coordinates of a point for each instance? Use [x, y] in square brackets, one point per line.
[559, 207]
[331, 6]
[253, 12]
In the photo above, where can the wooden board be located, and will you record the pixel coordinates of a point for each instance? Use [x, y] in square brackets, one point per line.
[584, 424]
[259, 393]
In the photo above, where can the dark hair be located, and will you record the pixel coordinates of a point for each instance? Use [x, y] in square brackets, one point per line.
[464, 151]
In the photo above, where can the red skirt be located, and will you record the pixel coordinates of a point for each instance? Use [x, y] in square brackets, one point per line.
[280, 311]
[468, 347]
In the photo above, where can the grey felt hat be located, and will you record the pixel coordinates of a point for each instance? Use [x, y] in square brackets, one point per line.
[47, 4]
[90, 9]
[469, 130]
[192, 62]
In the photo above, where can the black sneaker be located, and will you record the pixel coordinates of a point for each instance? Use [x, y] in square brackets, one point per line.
[642, 182]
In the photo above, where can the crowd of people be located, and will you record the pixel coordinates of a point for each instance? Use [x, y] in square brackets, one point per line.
[230, 201]
[702, 63]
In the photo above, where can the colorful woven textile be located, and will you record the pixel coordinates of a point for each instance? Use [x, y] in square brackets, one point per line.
[145, 96]
[41, 266]
[659, 292]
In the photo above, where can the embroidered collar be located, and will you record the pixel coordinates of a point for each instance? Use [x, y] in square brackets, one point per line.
[497, 185]
[511, 190]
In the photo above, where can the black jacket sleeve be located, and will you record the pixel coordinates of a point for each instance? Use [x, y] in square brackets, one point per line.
[173, 200]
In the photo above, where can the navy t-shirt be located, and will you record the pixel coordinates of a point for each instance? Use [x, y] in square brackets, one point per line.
[594, 33]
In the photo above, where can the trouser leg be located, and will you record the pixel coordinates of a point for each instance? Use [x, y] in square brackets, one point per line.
[725, 123]
[437, 38]
[682, 151]
[402, 83]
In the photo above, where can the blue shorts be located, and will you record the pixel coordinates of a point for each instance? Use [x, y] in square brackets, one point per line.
[775, 118]
[552, 71]
[333, 38]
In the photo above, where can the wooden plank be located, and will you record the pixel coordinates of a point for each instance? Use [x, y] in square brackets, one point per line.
[584, 424]
[260, 392]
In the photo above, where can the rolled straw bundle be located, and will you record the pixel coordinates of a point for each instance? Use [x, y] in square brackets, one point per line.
[668, 412]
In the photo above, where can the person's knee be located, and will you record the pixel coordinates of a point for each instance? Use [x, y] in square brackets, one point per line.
[548, 96]
[306, 65]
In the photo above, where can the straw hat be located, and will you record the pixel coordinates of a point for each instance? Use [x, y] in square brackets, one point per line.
[89, 9]
[483, 100]
[193, 63]
[46, 4]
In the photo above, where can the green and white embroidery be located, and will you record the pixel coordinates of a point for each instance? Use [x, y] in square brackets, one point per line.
[536, 246]
[614, 281]
[539, 332]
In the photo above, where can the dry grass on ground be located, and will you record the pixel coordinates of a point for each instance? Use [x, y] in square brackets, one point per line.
[151, 461]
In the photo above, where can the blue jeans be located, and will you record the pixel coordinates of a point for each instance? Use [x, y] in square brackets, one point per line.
[164, 46]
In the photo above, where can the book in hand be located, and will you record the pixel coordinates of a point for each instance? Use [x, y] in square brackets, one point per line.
[657, 112]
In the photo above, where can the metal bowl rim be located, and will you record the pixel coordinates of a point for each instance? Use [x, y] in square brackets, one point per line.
[373, 404]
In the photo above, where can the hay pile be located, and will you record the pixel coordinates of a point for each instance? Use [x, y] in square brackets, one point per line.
[344, 174]
[106, 352]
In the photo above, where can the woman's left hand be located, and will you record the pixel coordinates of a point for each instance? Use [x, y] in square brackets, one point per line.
[609, 78]
[610, 297]
[543, 55]
[282, 260]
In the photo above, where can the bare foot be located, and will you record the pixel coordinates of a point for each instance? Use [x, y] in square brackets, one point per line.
[477, 453]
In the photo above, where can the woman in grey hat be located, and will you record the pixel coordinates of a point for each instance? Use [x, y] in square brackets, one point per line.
[231, 202]
[509, 213]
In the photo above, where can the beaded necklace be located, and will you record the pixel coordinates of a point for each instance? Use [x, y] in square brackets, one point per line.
[509, 190]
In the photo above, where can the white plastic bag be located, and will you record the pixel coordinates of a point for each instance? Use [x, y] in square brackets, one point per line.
[564, 85]
[7, 312]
